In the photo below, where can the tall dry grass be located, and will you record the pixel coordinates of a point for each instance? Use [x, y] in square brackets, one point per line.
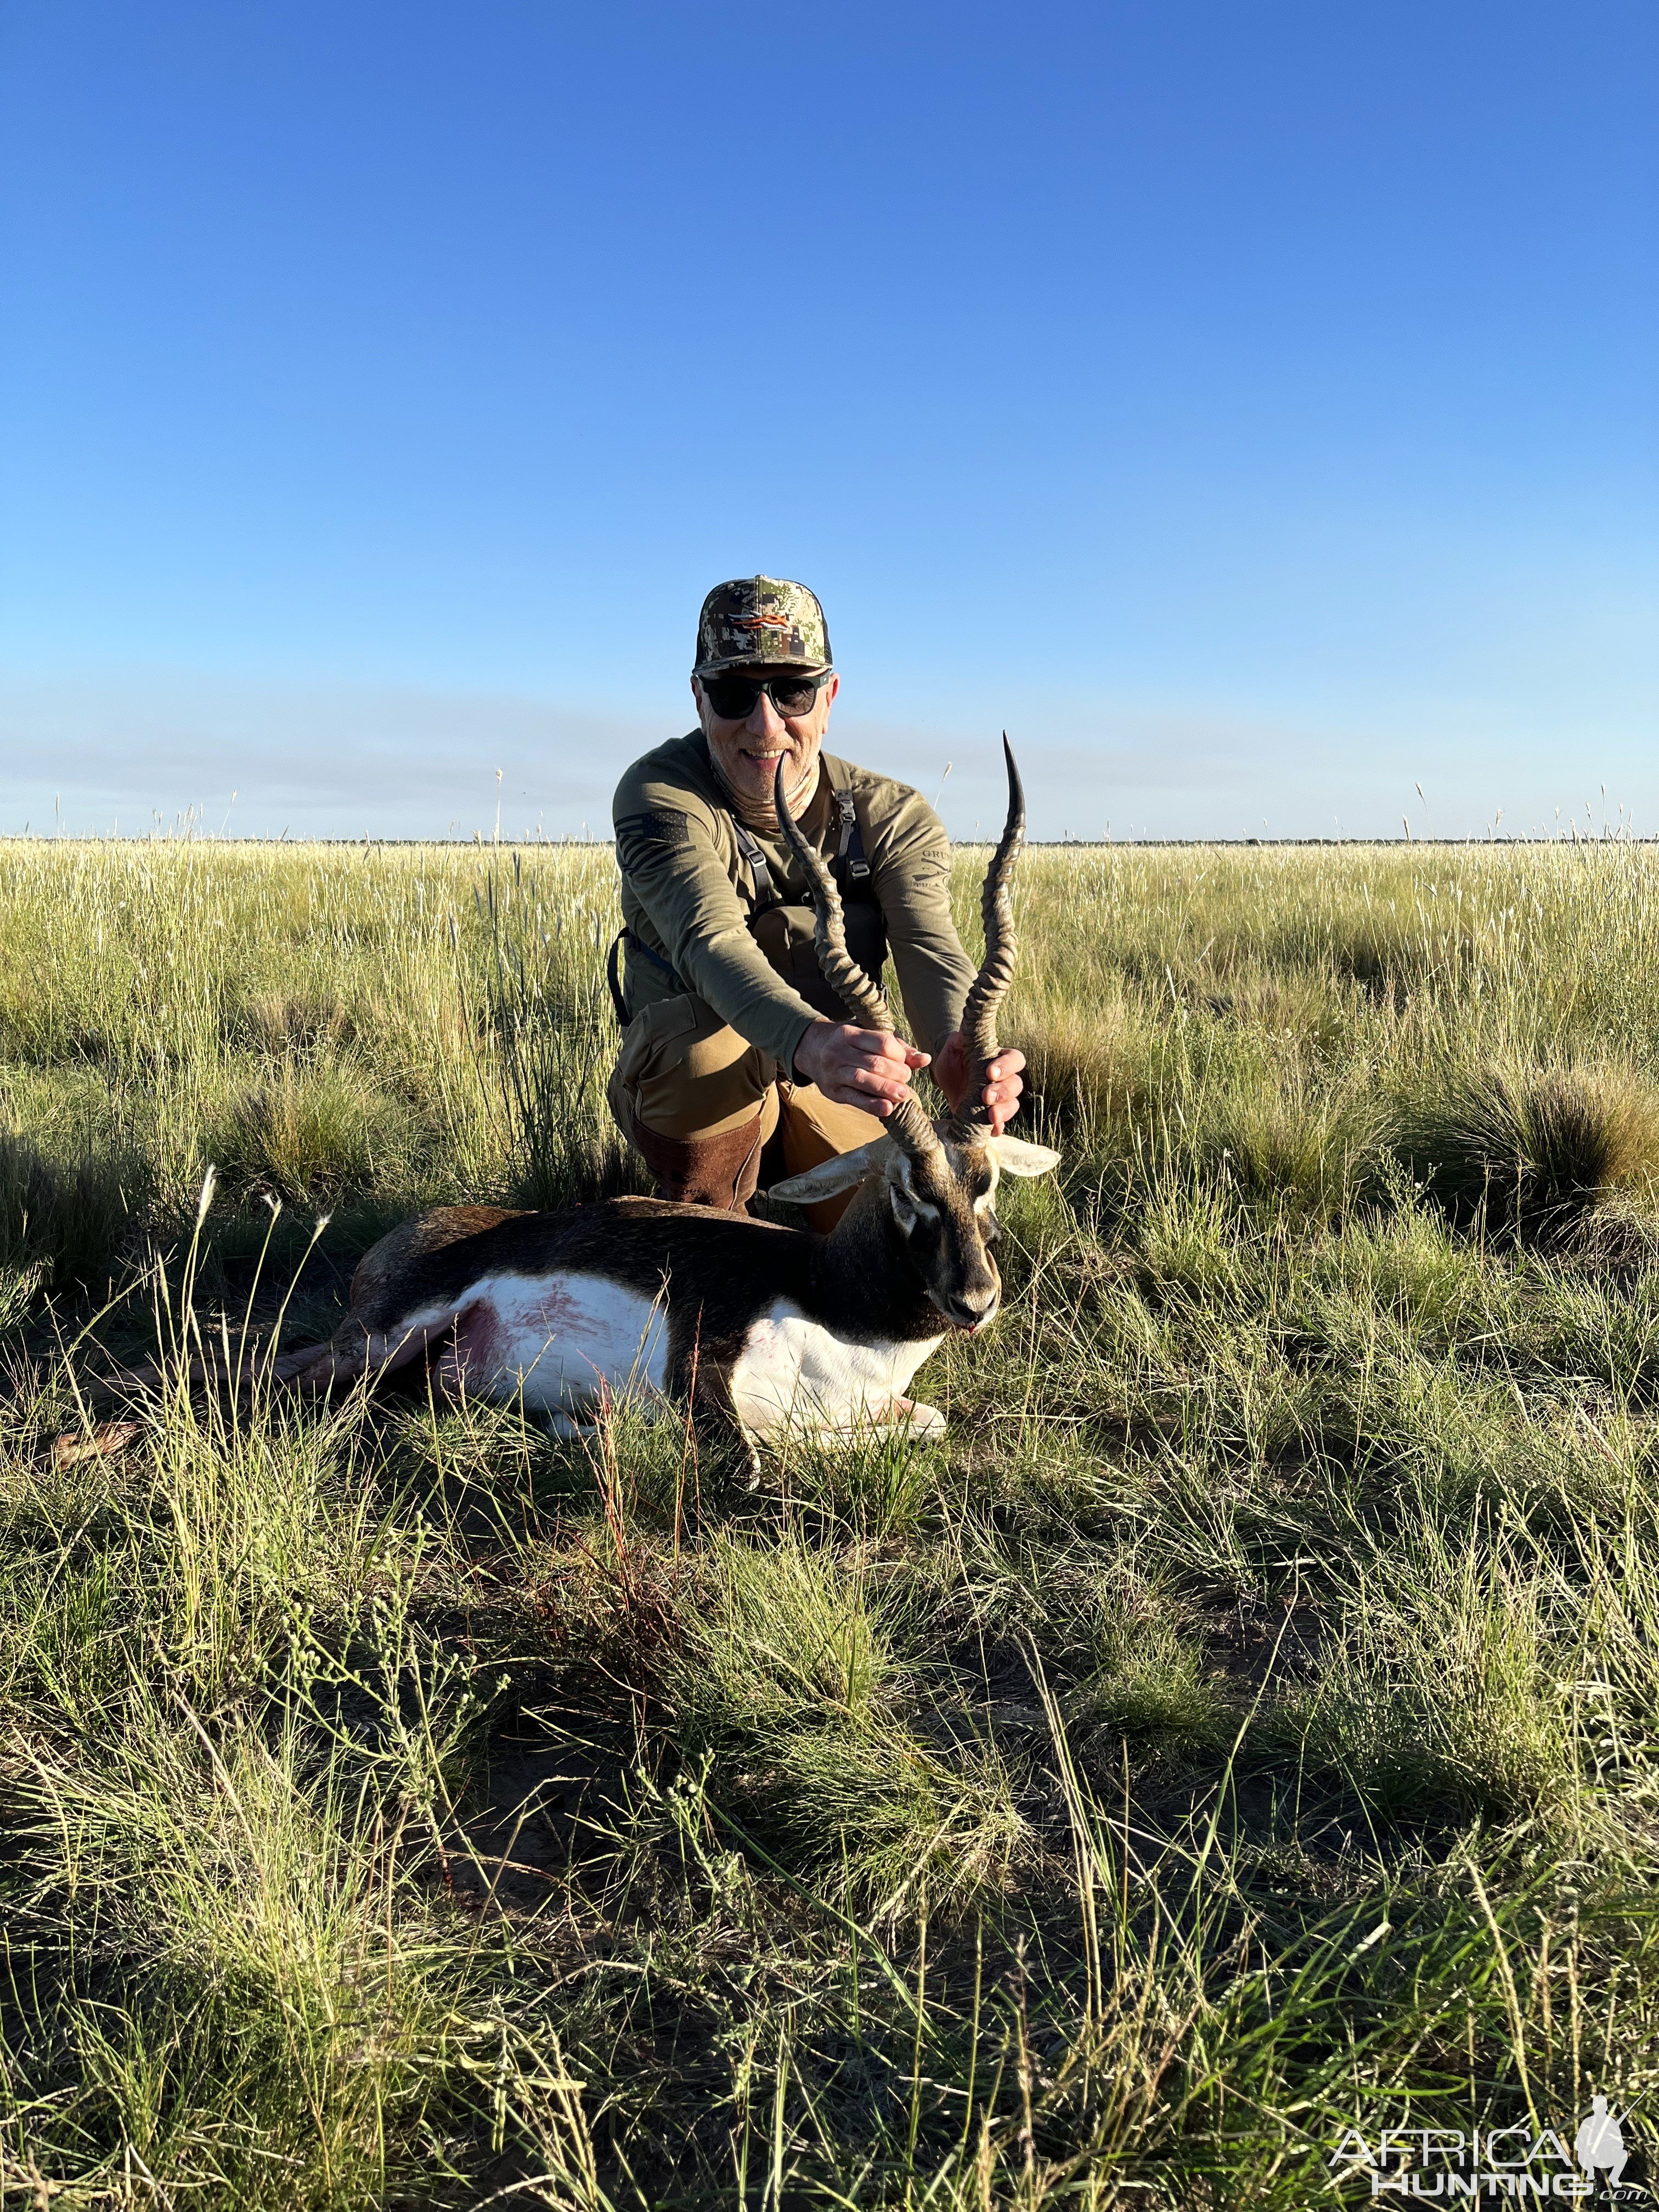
[1240, 1731]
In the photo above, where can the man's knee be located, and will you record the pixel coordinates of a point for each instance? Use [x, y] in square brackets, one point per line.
[683, 1073]
[814, 1130]
[817, 1128]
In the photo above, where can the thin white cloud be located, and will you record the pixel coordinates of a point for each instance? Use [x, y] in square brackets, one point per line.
[317, 760]
[339, 760]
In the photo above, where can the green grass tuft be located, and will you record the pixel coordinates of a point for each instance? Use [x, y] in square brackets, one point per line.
[310, 1134]
[1532, 1149]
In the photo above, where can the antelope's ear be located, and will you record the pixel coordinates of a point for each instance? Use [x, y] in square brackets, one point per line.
[1016, 1157]
[830, 1177]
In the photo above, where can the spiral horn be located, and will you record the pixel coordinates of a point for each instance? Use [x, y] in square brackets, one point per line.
[990, 986]
[907, 1125]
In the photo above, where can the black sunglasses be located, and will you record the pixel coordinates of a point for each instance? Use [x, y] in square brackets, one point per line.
[791, 691]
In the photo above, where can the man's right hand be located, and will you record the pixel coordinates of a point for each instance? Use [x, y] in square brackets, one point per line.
[869, 1068]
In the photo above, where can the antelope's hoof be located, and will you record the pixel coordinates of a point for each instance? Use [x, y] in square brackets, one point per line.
[108, 1438]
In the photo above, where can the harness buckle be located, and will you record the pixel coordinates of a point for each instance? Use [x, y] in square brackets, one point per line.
[857, 866]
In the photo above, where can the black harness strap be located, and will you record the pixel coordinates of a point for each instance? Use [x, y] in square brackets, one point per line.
[850, 851]
[849, 865]
[635, 944]
[613, 976]
[767, 894]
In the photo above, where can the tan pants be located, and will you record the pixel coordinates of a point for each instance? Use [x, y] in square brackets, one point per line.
[684, 1073]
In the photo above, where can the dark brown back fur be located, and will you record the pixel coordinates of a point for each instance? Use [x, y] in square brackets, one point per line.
[735, 1268]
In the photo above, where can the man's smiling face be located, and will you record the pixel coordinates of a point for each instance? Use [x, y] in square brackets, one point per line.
[747, 751]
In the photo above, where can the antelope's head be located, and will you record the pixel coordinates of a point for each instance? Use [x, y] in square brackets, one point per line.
[940, 1177]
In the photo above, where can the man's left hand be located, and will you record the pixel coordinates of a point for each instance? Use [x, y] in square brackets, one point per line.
[1002, 1086]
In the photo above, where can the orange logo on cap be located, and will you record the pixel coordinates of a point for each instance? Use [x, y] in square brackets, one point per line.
[760, 621]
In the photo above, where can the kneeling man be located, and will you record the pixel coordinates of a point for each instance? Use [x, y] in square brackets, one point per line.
[730, 1033]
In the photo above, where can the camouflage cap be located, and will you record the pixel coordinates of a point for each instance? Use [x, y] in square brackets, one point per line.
[760, 618]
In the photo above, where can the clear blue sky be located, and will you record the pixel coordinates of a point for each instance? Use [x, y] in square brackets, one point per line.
[1251, 405]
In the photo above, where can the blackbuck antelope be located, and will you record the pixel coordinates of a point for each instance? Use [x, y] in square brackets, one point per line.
[758, 1329]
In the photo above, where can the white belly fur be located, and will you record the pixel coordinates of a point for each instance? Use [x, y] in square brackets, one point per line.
[793, 1373]
[562, 1342]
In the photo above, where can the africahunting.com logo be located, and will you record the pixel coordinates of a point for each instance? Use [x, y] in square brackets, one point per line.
[1451, 2163]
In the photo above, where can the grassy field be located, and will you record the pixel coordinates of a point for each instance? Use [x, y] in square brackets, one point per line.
[1243, 1729]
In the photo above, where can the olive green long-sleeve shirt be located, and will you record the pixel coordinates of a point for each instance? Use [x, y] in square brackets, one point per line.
[687, 895]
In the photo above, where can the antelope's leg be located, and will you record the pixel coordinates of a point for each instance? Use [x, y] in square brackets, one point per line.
[200, 1370]
[897, 1416]
[704, 1391]
[700, 1386]
[103, 1441]
[354, 1351]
